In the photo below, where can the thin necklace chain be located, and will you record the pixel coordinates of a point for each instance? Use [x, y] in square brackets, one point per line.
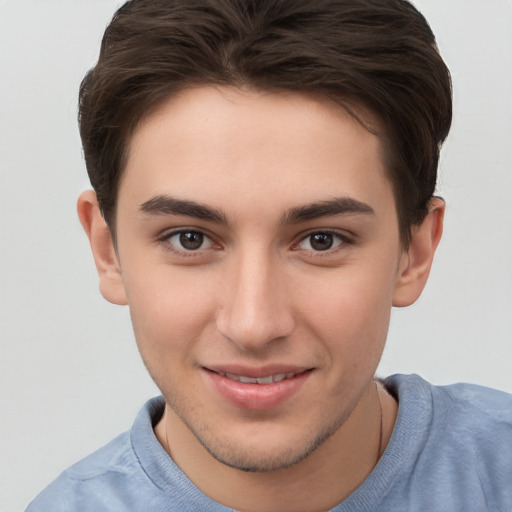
[381, 422]
[167, 437]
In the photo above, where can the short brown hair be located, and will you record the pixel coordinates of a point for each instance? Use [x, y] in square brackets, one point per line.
[381, 53]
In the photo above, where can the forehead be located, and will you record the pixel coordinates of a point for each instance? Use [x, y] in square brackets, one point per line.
[229, 147]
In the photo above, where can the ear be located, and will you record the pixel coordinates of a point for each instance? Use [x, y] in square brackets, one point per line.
[103, 250]
[417, 260]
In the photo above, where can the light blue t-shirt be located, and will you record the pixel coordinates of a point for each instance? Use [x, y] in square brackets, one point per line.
[451, 451]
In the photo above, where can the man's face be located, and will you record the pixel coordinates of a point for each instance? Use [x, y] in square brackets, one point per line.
[258, 239]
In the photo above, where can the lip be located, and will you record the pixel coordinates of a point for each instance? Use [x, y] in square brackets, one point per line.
[254, 396]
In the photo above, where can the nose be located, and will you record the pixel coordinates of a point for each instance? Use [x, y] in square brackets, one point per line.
[256, 309]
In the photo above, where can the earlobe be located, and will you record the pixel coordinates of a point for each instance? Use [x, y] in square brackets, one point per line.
[103, 250]
[417, 260]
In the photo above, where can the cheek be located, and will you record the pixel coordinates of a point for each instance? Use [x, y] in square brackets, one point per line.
[364, 295]
[169, 308]
[351, 312]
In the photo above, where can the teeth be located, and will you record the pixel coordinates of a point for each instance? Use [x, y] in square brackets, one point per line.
[247, 380]
[258, 380]
[265, 380]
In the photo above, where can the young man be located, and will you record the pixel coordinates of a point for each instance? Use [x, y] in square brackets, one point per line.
[264, 176]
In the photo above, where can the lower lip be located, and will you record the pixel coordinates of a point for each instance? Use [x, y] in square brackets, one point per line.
[257, 397]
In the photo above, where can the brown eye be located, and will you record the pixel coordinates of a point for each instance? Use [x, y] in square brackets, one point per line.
[191, 240]
[185, 241]
[321, 241]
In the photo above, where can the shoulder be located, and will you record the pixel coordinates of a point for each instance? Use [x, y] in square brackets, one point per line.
[464, 406]
[104, 477]
[478, 421]
[108, 463]
[462, 438]
[492, 402]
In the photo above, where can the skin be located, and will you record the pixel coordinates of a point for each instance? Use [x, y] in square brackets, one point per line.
[257, 293]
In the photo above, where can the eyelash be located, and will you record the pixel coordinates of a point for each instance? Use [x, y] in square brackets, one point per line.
[344, 242]
[169, 246]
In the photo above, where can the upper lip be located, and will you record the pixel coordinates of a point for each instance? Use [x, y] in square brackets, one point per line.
[255, 372]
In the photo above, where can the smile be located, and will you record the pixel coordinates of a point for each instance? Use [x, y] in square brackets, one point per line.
[261, 389]
[258, 380]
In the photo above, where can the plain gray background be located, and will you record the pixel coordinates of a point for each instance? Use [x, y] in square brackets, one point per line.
[71, 378]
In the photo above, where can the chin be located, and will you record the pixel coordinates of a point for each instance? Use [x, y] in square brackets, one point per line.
[259, 454]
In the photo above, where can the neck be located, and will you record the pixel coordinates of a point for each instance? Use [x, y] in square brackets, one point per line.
[319, 482]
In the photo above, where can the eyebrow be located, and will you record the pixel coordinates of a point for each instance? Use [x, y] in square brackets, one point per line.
[335, 206]
[167, 205]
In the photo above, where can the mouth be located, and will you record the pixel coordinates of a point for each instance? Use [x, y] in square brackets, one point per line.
[257, 389]
[269, 379]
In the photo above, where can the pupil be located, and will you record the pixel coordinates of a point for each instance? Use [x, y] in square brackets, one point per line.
[321, 241]
[191, 240]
